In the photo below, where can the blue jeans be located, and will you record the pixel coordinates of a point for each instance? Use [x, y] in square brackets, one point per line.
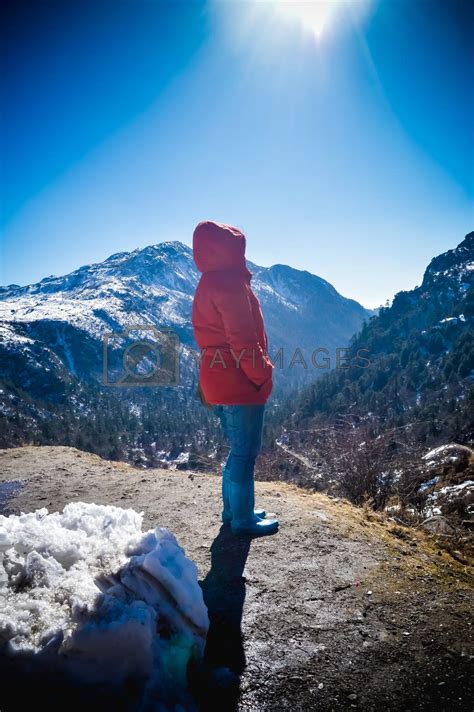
[242, 426]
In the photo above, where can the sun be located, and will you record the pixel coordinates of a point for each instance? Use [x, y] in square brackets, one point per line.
[313, 15]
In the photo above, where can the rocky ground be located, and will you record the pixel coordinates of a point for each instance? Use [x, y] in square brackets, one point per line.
[342, 609]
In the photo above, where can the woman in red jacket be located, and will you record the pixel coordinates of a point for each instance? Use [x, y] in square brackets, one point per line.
[235, 373]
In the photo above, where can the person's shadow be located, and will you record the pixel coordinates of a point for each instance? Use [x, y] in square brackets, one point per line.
[224, 595]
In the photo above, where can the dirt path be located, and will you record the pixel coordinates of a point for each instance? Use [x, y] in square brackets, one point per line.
[340, 610]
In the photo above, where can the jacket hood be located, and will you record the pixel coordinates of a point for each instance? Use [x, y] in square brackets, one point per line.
[217, 246]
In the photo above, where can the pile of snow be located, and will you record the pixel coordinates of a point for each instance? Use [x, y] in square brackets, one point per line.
[102, 601]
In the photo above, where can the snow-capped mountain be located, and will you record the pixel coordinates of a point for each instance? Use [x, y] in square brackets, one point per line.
[153, 285]
[52, 333]
[67, 317]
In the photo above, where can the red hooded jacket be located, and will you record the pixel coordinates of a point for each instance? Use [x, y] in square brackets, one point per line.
[227, 320]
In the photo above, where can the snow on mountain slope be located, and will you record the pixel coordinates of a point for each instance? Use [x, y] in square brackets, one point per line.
[454, 267]
[155, 286]
[64, 340]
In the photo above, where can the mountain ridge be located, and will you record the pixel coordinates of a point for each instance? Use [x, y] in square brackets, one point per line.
[53, 336]
[178, 247]
[422, 351]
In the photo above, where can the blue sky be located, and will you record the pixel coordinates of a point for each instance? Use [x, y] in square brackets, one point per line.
[349, 154]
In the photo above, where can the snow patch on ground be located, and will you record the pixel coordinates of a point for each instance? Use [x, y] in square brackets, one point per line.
[101, 600]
